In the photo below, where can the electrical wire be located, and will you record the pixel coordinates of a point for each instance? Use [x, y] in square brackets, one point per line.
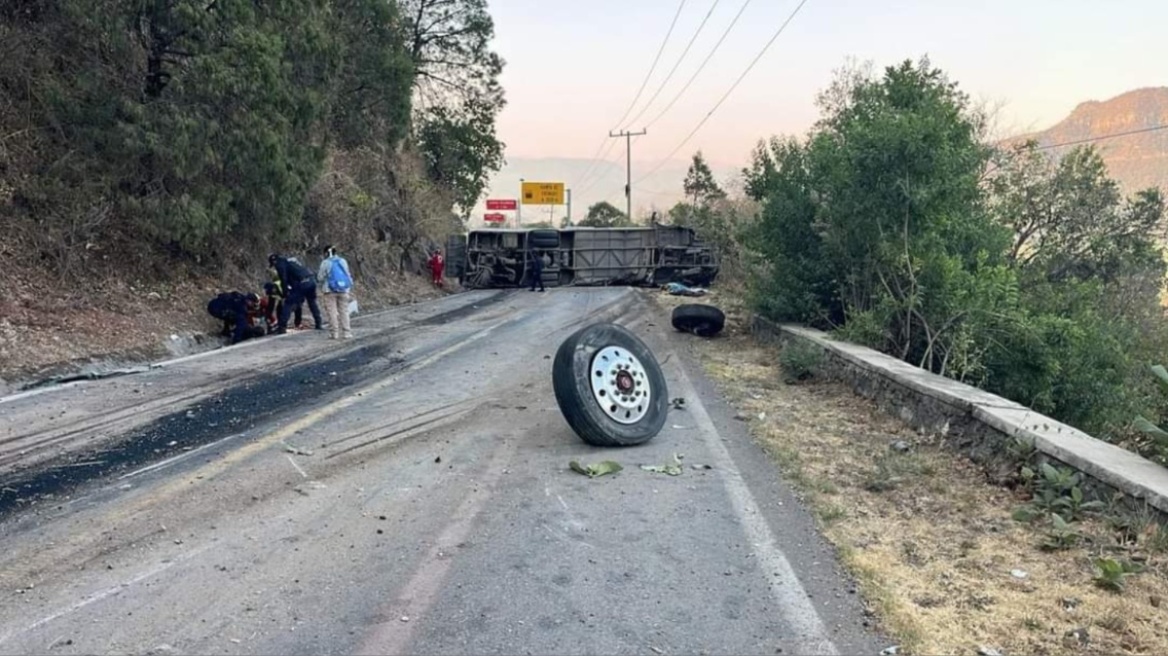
[726, 95]
[677, 64]
[1077, 142]
[702, 66]
[655, 62]
[596, 156]
[600, 177]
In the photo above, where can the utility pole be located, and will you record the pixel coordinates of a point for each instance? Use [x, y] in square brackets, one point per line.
[569, 199]
[628, 164]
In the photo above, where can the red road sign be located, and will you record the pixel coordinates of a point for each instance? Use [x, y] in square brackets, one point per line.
[503, 204]
[494, 218]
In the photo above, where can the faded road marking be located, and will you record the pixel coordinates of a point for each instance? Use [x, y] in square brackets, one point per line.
[798, 611]
[393, 635]
[104, 594]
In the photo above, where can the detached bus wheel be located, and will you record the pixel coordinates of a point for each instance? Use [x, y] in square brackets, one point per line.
[609, 386]
[701, 320]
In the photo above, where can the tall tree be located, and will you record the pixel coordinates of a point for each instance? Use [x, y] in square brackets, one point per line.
[192, 122]
[456, 82]
[700, 185]
[1069, 218]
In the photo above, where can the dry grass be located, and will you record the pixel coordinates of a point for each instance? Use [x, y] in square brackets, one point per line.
[930, 540]
[46, 326]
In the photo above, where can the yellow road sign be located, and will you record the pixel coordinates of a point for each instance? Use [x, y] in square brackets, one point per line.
[543, 193]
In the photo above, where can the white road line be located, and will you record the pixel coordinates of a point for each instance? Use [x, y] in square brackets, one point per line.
[104, 594]
[181, 456]
[798, 611]
[296, 465]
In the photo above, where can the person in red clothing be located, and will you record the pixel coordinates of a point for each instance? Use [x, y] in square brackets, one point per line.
[436, 266]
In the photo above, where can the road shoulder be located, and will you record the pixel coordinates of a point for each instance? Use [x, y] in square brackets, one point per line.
[829, 588]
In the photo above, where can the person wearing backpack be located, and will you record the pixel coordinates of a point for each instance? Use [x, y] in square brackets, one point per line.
[299, 285]
[338, 282]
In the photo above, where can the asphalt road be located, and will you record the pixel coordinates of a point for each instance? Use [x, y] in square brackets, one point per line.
[407, 492]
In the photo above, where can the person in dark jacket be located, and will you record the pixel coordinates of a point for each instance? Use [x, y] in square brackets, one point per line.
[299, 285]
[536, 270]
[238, 312]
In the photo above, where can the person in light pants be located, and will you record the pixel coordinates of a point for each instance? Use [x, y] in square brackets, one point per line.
[336, 303]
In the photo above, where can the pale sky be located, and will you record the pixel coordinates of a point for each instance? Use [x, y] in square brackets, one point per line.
[574, 66]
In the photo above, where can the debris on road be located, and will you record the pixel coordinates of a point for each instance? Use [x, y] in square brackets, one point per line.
[988, 651]
[310, 485]
[294, 450]
[678, 289]
[1018, 573]
[595, 469]
[678, 403]
[673, 468]
[890, 651]
[700, 467]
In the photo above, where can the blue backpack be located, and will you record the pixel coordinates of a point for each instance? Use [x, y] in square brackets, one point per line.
[339, 281]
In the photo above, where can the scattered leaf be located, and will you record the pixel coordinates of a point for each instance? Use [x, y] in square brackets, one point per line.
[595, 469]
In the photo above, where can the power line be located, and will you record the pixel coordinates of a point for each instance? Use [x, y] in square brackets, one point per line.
[654, 66]
[678, 63]
[644, 82]
[1077, 142]
[728, 91]
[592, 170]
[701, 67]
[604, 158]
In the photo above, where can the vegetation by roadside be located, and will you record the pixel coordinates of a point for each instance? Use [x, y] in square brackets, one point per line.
[900, 222]
[943, 560]
[153, 154]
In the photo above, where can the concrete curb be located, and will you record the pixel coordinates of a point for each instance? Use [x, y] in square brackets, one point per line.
[972, 419]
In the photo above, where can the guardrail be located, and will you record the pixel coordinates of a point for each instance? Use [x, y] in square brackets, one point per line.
[974, 421]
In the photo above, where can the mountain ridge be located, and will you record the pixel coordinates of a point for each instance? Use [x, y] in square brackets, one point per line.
[1136, 161]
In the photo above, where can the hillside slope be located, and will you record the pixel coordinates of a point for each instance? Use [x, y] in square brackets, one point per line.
[1137, 161]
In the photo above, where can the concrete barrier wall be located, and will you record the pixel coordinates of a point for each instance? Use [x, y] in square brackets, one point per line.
[973, 421]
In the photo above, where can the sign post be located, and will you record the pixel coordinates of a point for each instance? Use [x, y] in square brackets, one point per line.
[490, 217]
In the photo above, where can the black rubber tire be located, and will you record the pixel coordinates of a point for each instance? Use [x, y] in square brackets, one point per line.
[571, 381]
[543, 239]
[701, 320]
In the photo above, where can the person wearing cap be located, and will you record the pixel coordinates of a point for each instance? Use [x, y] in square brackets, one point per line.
[299, 286]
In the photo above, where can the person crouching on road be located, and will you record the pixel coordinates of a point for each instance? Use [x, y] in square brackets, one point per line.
[338, 282]
[237, 311]
[299, 285]
[436, 266]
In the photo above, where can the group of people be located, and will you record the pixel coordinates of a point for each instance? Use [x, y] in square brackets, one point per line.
[292, 284]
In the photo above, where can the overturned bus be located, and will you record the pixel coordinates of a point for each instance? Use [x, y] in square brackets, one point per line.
[646, 256]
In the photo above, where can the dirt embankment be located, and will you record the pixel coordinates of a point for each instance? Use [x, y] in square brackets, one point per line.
[48, 328]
